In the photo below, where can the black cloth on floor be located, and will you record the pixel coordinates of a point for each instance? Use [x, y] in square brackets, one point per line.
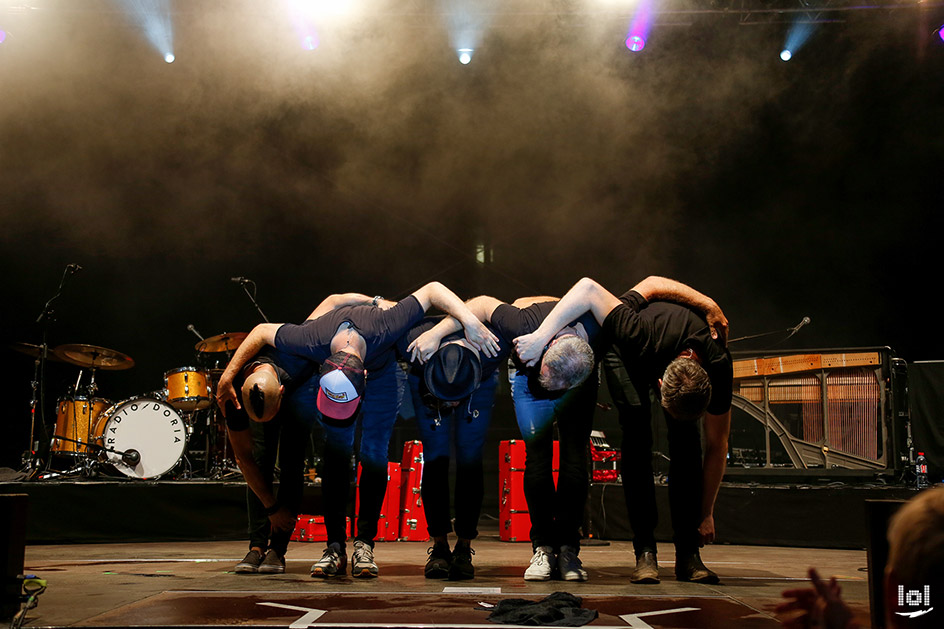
[560, 609]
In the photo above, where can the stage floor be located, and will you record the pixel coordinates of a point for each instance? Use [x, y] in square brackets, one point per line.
[193, 584]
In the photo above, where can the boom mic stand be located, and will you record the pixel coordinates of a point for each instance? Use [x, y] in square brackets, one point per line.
[244, 282]
[39, 377]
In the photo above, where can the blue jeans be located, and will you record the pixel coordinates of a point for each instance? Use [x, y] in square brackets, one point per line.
[556, 514]
[376, 417]
[285, 435]
[466, 427]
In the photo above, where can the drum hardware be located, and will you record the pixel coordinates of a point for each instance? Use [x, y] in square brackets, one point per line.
[226, 342]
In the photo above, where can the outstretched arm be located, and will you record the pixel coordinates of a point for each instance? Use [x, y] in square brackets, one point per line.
[339, 300]
[717, 428]
[435, 294]
[261, 335]
[655, 288]
[585, 295]
[428, 342]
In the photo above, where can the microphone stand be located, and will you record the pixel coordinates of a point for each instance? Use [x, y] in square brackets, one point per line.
[45, 318]
[252, 297]
[790, 333]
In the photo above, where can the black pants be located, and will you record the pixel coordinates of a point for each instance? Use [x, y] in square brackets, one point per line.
[631, 396]
[283, 440]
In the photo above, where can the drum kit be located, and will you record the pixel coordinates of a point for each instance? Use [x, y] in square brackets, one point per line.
[146, 436]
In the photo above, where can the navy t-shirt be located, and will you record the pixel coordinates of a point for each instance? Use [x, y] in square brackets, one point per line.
[650, 335]
[292, 372]
[380, 328]
[510, 322]
[488, 364]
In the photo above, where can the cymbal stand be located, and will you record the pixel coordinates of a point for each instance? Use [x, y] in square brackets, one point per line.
[30, 459]
[45, 318]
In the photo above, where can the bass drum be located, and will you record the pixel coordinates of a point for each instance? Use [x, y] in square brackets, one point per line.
[151, 428]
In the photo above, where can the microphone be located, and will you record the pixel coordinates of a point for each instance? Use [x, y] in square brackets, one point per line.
[194, 330]
[131, 457]
[240, 280]
[805, 321]
[73, 268]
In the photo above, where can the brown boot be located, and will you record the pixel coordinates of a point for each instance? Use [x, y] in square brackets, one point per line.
[647, 568]
[689, 567]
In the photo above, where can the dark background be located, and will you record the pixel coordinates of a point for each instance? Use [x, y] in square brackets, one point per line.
[378, 163]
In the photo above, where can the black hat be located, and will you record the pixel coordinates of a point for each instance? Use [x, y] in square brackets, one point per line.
[453, 372]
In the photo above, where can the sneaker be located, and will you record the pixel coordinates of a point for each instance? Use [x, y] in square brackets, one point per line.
[437, 566]
[461, 568]
[250, 564]
[332, 563]
[542, 564]
[363, 565]
[569, 563]
[689, 567]
[647, 568]
[273, 563]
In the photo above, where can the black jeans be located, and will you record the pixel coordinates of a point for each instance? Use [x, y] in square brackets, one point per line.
[631, 396]
[283, 440]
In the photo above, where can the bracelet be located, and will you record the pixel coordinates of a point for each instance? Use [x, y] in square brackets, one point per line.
[375, 300]
[273, 509]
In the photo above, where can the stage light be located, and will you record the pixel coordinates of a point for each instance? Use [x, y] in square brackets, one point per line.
[310, 42]
[465, 55]
[3, 36]
[940, 32]
[797, 36]
[635, 43]
[153, 18]
[640, 26]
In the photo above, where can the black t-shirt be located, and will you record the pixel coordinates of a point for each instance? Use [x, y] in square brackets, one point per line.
[291, 370]
[510, 322]
[380, 328]
[488, 364]
[650, 335]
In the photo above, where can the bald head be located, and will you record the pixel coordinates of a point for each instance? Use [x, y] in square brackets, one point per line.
[262, 394]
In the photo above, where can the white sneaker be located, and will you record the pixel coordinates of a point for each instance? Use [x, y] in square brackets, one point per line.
[570, 567]
[542, 564]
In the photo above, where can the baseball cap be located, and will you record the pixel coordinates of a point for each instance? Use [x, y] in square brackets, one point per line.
[453, 372]
[340, 387]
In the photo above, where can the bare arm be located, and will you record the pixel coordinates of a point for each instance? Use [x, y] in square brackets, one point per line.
[585, 295]
[428, 342]
[435, 294]
[339, 300]
[261, 335]
[242, 449]
[655, 288]
[524, 302]
[717, 428]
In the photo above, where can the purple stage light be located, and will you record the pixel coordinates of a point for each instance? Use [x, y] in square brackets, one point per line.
[3, 36]
[635, 43]
[940, 33]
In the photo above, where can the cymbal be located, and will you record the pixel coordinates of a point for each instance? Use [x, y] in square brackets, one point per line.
[225, 342]
[94, 356]
[34, 350]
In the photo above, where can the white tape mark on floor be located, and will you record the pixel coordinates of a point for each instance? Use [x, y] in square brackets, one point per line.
[311, 615]
[634, 619]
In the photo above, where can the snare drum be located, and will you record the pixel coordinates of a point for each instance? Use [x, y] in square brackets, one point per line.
[75, 419]
[188, 389]
[151, 427]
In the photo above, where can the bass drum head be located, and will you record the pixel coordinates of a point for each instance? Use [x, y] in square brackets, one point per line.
[152, 428]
